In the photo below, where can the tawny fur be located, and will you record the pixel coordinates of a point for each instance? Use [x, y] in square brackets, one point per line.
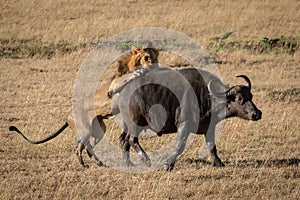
[99, 105]
[87, 115]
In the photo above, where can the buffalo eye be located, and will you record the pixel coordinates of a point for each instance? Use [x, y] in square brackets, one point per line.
[240, 98]
[146, 58]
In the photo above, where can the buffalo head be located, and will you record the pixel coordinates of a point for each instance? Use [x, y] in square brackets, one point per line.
[239, 101]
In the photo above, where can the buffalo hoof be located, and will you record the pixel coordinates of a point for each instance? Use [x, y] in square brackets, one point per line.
[146, 163]
[100, 164]
[218, 163]
[85, 165]
[129, 164]
[168, 167]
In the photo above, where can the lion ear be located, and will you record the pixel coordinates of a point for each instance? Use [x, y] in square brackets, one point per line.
[156, 51]
[148, 44]
[134, 50]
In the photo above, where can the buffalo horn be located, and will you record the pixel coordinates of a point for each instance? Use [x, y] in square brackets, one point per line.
[246, 79]
[211, 90]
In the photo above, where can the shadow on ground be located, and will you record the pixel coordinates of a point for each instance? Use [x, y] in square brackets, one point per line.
[250, 163]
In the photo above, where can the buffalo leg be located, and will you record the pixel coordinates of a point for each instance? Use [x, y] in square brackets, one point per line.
[123, 135]
[125, 145]
[137, 147]
[210, 142]
[181, 137]
[122, 138]
[216, 161]
[124, 142]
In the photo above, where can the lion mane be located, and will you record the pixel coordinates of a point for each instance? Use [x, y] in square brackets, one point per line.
[144, 57]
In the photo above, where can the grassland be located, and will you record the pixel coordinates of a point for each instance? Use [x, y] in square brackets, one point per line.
[43, 44]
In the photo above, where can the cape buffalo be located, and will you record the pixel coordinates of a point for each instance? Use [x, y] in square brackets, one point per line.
[186, 104]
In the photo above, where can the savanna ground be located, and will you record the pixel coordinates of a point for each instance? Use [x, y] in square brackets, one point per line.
[43, 44]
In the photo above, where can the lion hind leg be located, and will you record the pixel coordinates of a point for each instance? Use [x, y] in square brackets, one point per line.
[97, 131]
[90, 152]
[78, 151]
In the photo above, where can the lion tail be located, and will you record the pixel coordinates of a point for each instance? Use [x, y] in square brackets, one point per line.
[56, 133]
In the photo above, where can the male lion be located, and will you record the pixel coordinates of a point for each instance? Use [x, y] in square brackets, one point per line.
[90, 112]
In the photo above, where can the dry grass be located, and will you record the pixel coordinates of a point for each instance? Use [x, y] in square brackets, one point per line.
[80, 21]
[262, 158]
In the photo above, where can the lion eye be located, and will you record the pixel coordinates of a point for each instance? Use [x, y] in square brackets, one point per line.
[146, 58]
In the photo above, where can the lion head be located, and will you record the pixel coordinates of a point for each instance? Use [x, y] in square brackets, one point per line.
[144, 57]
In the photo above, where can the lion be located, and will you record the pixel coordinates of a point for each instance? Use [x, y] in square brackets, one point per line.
[90, 112]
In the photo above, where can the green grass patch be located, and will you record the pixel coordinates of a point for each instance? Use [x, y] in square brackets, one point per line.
[29, 48]
[277, 45]
[125, 46]
[292, 94]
